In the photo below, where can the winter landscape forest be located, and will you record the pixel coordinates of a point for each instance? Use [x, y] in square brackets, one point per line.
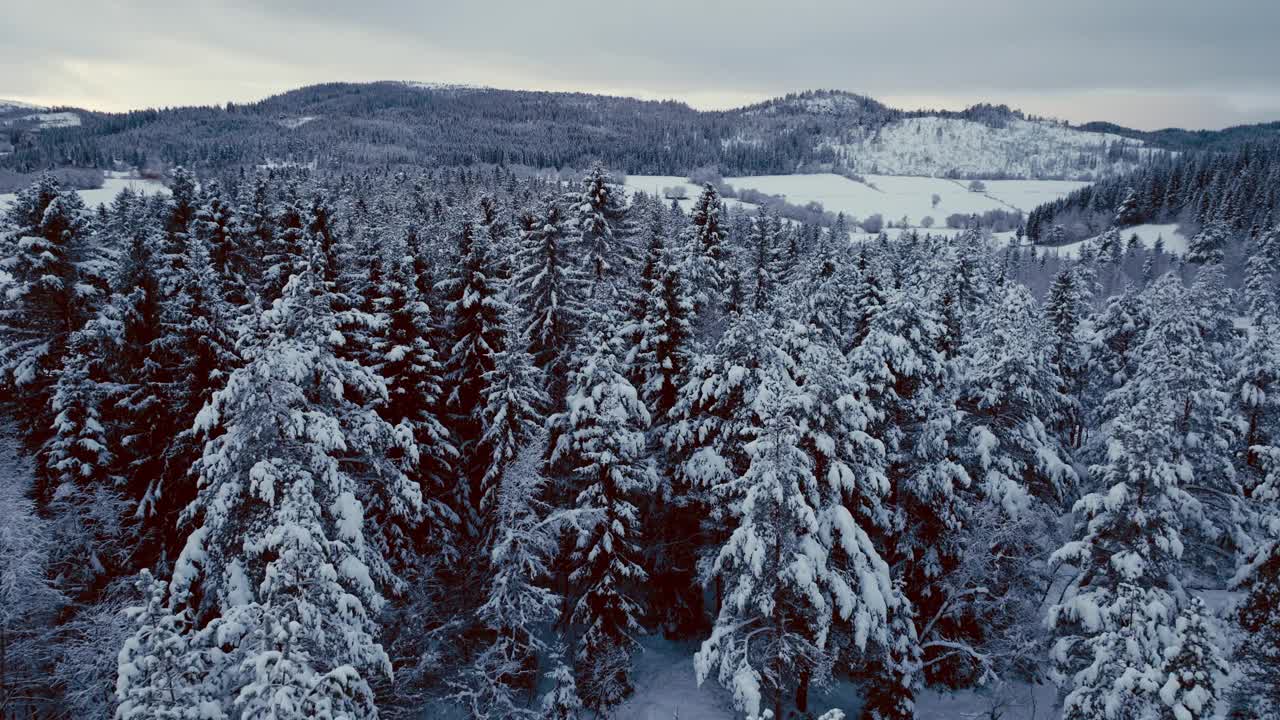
[423, 401]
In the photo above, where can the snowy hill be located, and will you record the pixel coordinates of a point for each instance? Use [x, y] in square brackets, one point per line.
[423, 123]
[955, 147]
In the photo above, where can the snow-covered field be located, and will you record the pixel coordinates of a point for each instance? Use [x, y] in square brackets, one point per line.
[891, 196]
[1174, 241]
[112, 184]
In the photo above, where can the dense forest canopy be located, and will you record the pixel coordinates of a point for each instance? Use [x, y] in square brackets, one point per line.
[375, 443]
[1238, 190]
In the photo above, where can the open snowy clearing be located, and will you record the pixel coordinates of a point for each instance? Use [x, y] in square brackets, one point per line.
[112, 184]
[891, 196]
[1174, 241]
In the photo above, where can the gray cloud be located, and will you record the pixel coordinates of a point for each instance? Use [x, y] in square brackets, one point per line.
[1146, 63]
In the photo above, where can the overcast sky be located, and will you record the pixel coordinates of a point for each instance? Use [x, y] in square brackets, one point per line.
[1142, 63]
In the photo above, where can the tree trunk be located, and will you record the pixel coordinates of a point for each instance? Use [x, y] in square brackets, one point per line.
[802, 692]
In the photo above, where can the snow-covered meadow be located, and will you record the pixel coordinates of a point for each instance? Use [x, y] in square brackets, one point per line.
[893, 197]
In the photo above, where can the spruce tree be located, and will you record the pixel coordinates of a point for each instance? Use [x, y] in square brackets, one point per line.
[550, 291]
[282, 572]
[477, 330]
[56, 273]
[601, 437]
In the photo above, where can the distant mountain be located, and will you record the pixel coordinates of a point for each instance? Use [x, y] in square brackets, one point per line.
[345, 125]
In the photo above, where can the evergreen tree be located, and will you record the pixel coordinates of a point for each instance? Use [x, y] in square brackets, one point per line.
[1193, 665]
[704, 254]
[478, 331]
[763, 243]
[55, 273]
[550, 291]
[908, 387]
[414, 377]
[281, 571]
[782, 592]
[602, 438]
[599, 219]
[1064, 309]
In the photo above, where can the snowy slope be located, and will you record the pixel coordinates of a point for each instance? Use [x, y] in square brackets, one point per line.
[7, 105]
[937, 146]
[1174, 241]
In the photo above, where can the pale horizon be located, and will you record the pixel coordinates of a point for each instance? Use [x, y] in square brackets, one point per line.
[1147, 65]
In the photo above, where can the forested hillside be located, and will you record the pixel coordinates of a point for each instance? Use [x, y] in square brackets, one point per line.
[1236, 192]
[452, 443]
[341, 125]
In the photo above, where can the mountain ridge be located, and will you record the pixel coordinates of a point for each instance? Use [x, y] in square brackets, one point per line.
[407, 123]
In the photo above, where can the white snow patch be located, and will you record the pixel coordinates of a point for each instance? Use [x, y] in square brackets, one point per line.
[1174, 241]
[891, 196]
[112, 184]
[296, 122]
[52, 119]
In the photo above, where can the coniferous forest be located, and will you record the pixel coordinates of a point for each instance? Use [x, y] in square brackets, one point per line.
[457, 443]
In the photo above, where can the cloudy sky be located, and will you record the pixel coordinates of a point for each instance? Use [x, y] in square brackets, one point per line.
[1143, 63]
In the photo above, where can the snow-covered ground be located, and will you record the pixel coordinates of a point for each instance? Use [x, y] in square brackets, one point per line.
[1174, 241]
[935, 146]
[891, 196]
[666, 688]
[55, 119]
[657, 184]
[112, 184]
[294, 123]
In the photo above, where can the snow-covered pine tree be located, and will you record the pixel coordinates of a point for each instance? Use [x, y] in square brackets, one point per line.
[477, 329]
[663, 349]
[517, 608]
[1128, 213]
[1011, 395]
[908, 387]
[213, 225]
[550, 290]
[867, 298]
[282, 568]
[600, 225]
[1114, 630]
[1064, 308]
[93, 538]
[414, 376]
[1208, 246]
[160, 677]
[514, 404]
[56, 272]
[179, 211]
[193, 354]
[896, 666]
[1193, 666]
[1118, 332]
[561, 702]
[601, 436]
[781, 589]
[764, 260]
[704, 262]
